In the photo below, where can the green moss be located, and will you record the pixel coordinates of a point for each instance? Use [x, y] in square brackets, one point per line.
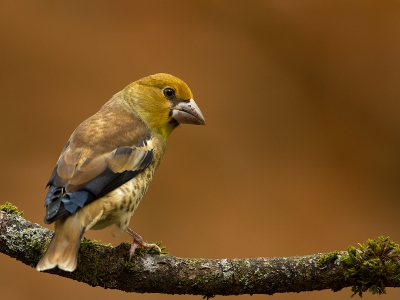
[194, 264]
[327, 258]
[10, 209]
[35, 250]
[370, 266]
[144, 251]
[130, 265]
[89, 254]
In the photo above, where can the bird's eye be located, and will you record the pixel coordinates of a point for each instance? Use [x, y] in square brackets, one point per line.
[169, 93]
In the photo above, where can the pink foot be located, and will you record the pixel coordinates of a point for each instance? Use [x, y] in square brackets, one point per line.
[138, 242]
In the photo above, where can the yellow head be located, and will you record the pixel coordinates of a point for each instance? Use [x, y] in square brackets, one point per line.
[163, 102]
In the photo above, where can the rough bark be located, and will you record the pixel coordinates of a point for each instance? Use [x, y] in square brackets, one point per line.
[108, 267]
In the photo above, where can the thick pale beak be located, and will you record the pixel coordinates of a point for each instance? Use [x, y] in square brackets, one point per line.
[188, 113]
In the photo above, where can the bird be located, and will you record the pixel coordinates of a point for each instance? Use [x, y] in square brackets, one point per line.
[108, 163]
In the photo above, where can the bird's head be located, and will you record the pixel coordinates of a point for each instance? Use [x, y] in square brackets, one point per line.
[163, 102]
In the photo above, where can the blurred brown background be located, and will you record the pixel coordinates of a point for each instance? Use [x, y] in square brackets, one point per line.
[300, 153]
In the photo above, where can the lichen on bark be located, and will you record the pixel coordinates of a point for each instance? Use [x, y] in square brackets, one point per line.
[373, 266]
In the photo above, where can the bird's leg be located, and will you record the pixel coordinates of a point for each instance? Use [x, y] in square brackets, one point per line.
[138, 242]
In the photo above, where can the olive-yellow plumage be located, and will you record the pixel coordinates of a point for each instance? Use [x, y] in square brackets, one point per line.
[109, 161]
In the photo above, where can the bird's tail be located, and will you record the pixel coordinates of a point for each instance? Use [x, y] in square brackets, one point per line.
[63, 248]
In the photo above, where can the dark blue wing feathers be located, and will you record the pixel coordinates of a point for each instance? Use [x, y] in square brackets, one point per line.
[60, 203]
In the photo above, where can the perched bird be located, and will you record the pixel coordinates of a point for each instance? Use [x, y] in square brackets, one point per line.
[109, 161]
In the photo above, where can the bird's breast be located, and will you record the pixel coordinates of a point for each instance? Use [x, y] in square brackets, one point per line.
[120, 204]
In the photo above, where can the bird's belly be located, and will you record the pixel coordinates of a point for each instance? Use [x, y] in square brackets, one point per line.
[120, 204]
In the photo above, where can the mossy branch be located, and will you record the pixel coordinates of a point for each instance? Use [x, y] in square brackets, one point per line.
[372, 266]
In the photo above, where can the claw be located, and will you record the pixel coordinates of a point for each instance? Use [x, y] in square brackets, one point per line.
[138, 242]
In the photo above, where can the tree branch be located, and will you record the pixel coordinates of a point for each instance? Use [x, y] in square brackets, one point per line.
[374, 267]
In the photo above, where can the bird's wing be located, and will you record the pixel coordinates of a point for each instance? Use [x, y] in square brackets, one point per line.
[92, 165]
